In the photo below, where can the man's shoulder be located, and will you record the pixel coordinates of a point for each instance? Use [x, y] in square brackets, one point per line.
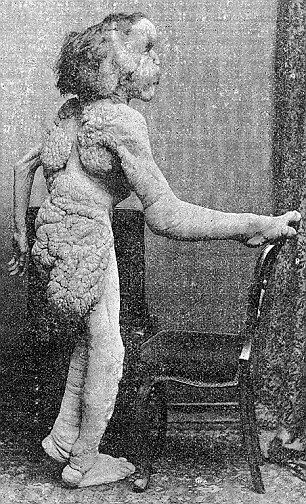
[105, 112]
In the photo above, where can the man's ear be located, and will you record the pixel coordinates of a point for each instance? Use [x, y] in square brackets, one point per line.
[108, 75]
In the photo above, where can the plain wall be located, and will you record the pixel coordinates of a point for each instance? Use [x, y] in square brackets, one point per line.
[210, 133]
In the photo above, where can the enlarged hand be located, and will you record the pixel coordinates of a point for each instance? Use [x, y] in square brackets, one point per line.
[18, 263]
[271, 229]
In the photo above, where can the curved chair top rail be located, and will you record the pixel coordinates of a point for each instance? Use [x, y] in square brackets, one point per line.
[262, 272]
[263, 269]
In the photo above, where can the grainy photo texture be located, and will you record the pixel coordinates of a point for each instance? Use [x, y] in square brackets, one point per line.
[153, 259]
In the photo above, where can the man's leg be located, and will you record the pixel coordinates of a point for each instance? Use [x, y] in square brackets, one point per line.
[105, 362]
[58, 444]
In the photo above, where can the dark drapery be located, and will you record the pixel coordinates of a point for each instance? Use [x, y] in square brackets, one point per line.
[283, 331]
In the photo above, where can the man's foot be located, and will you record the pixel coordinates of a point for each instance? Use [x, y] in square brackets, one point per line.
[54, 450]
[106, 469]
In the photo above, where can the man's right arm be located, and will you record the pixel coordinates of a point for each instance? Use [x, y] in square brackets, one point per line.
[171, 217]
[24, 172]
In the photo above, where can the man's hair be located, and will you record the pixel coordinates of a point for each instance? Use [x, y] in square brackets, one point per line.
[82, 53]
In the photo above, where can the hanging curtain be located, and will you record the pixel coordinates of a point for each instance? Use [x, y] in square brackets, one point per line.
[283, 330]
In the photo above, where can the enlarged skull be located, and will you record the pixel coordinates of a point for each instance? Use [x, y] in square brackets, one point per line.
[112, 59]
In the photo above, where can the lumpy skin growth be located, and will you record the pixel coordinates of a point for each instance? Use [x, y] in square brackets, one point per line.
[73, 231]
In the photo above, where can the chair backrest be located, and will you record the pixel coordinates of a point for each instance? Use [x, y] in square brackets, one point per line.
[263, 268]
[257, 291]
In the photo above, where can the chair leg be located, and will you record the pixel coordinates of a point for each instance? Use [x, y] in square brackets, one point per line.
[248, 432]
[162, 419]
[253, 424]
[145, 450]
[142, 480]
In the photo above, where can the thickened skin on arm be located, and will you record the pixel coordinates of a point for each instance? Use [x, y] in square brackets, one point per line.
[24, 172]
[124, 130]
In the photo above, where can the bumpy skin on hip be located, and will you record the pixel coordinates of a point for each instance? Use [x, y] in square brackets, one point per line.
[72, 247]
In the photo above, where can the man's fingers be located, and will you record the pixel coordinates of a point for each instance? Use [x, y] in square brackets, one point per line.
[14, 271]
[288, 231]
[13, 265]
[294, 216]
[18, 266]
[291, 223]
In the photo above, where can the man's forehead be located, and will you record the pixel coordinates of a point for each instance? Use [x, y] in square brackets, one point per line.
[144, 29]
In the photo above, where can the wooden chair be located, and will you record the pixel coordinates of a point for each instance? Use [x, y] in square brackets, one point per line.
[201, 361]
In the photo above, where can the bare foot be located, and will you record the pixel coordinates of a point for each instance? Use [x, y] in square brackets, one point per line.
[106, 469]
[54, 450]
[271, 229]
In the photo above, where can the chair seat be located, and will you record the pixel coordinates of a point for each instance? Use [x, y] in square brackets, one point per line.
[192, 356]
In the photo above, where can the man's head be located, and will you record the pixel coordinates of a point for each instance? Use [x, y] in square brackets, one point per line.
[113, 58]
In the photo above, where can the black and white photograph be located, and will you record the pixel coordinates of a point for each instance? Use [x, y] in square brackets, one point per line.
[153, 282]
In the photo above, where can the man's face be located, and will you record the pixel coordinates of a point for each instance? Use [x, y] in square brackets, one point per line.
[143, 63]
